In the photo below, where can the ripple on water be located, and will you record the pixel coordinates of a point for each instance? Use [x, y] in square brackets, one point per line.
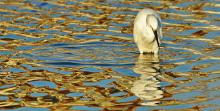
[38, 94]
[44, 83]
[3, 98]
[103, 83]
[80, 55]
[29, 109]
[75, 94]
[87, 108]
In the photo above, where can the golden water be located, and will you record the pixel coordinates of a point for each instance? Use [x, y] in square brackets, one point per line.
[79, 55]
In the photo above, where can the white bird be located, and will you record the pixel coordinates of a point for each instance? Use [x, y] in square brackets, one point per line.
[147, 31]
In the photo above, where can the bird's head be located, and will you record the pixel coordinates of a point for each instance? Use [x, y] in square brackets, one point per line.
[153, 23]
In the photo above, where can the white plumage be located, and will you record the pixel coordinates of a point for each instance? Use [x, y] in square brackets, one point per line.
[147, 31]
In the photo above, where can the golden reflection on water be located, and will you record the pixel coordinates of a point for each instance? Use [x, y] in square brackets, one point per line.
[62, 55]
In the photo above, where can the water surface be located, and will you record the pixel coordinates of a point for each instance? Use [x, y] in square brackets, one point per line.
[80, 55]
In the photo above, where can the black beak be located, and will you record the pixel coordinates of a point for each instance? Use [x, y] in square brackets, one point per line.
[157, 39]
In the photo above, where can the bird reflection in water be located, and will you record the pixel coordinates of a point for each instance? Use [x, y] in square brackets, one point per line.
[147, 87]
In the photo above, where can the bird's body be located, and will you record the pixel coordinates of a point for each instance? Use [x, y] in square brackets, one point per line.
[147, 31]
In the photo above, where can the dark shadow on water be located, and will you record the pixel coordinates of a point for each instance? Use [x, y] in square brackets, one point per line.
[82, 64]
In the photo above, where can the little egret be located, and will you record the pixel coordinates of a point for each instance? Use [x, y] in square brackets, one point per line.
[147, 31]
